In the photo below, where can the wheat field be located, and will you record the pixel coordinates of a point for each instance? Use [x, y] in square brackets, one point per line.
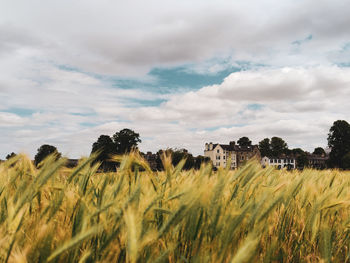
[56, 214]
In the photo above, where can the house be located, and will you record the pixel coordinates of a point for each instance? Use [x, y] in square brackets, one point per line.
[71, 163]
[151, 158]
[316, 161]
[219, 154]
[285, 161]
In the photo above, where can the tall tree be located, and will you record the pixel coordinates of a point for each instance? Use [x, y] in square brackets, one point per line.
[244, 141]
[106, 148]
[159, 162]
[302, 160]
[319, 151]
[10, 155]
[339, 142]
[199, 160]
[298, 151]
[264, 147]
[125, 140]
[278, 146]
[44, 151]
[346, 161]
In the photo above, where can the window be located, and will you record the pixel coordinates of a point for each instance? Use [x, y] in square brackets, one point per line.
[242, 157]
[218, 151]
[224, 157]
[279, 160]
[218, 157]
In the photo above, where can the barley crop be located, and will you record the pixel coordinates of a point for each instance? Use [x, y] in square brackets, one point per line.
[56, 214]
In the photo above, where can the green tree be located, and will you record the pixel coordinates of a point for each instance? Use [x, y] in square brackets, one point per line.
[319, 151]
[339, 142]
[298, 151]
[178, 155]
[10, 155]
[106, 149]
[159, 162]
[278, 146]
[125, 140]
[244, 141]
[44, 151]
[199, 160]
[302, 160]
[346, 161]
[264, 147]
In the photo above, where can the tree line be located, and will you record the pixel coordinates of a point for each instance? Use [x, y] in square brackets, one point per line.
[338, 142]
[126, 140]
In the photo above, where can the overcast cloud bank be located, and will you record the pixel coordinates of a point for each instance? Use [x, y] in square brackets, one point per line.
[59, 66]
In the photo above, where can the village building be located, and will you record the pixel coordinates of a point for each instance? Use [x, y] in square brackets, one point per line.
[288, 162]
[317, 161]
[151, 158]
[222, 154]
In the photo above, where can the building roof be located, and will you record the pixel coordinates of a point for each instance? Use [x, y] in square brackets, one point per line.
[281, 157]
[317, 157]
[237, 148]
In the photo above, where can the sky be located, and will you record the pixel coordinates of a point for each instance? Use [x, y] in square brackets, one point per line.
[179, 73]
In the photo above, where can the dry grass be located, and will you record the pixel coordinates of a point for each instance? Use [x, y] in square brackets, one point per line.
[54, 214]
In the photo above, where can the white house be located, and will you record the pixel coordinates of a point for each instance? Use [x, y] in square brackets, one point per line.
[279, 162]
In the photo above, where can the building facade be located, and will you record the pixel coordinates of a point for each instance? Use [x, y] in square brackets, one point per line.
[288, 162]
[316, 161]
[222, 154]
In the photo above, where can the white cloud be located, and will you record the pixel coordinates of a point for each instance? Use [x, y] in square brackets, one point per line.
[300, 89]
[298, 104]
[131, 37]
[10, 119]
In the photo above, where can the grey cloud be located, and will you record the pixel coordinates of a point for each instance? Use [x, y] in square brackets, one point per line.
[118, 38]
[13, 38]
[131, 37]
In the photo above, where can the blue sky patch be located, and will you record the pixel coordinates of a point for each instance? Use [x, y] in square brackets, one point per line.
[87, 124]
[255, 106]
[214, 128]
[176, 79]
[180, 77]
[346, 47]
[134, 103]
[23, 112]
[84, 114]
[302, 41]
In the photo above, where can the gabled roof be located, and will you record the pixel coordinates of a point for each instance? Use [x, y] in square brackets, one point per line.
[282, 157]
[237, 148]
[317, 157]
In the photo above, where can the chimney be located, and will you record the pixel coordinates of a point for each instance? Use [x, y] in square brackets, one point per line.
[232, 143]
[206, 147]
[210, 146]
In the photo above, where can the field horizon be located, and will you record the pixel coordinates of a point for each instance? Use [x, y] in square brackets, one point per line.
[56, 214]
